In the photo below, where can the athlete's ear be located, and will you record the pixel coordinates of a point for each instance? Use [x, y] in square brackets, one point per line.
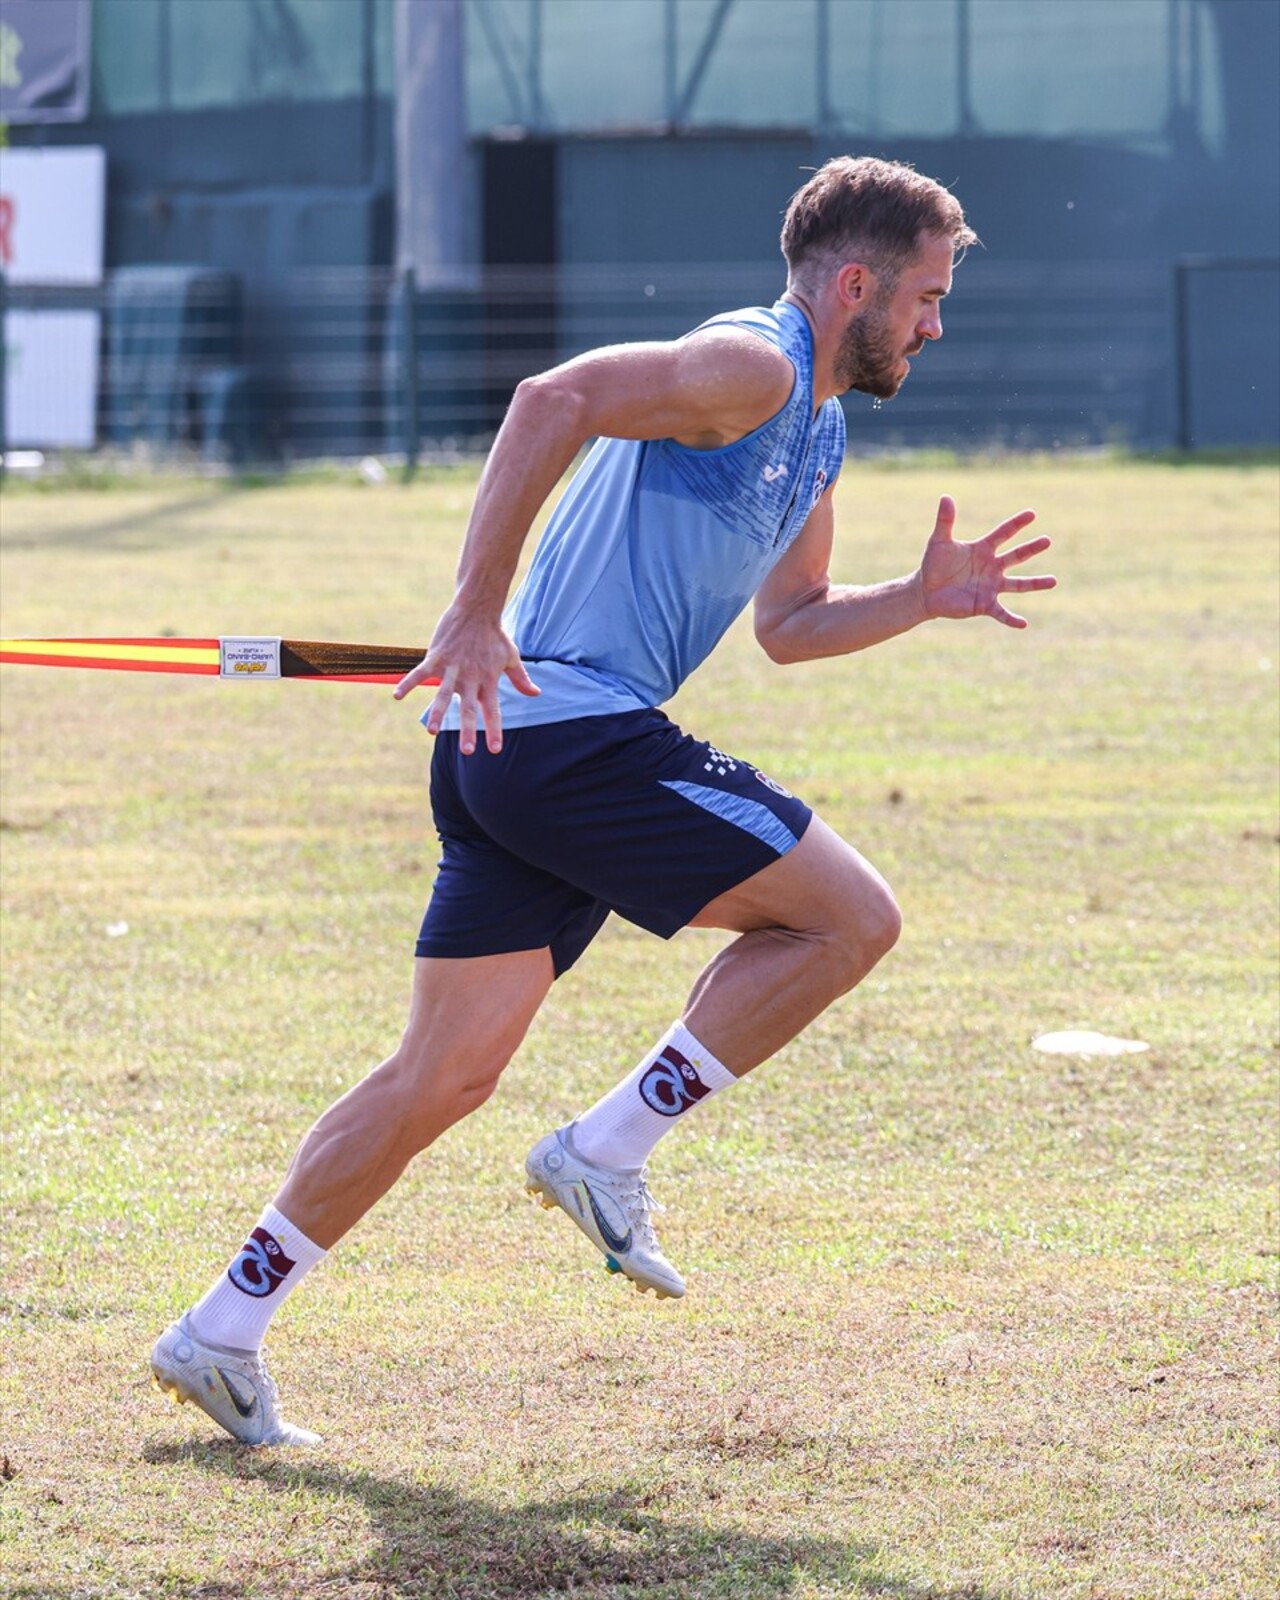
[855, 283]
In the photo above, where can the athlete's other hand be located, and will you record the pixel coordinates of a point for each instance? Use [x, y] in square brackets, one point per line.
[468, 657]
[961, 579]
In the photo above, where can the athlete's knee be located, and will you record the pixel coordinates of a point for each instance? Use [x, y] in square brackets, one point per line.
[880, 922]
[453, 1101]
[853, 907]
[867, 925]
[430, 1092]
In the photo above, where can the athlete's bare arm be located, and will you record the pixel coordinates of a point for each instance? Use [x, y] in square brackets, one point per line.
[800, 615]
[705, 390]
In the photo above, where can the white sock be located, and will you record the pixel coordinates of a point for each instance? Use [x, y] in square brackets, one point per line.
[678, 1073]
[273, 1261]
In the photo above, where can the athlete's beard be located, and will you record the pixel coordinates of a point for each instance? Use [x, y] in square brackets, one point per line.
[867, 359]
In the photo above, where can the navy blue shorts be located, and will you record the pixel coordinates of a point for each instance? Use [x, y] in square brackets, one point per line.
[572, 820]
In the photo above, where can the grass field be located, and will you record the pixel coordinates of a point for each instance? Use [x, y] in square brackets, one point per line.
[964, 1320]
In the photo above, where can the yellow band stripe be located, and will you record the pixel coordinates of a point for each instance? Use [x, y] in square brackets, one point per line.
[85, 650]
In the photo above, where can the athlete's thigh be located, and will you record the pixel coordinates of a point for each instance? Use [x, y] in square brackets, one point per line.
[820, 883]
[478, 1006]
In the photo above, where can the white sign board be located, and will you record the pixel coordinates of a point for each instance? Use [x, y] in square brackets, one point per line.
[52, 205]
[51, 378]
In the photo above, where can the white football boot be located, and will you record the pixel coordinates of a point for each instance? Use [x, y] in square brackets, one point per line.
[232, 1386]
[612, 1207]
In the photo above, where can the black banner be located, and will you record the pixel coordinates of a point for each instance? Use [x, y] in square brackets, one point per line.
[44, 60]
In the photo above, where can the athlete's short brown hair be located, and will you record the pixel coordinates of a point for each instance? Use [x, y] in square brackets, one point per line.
[861, 208]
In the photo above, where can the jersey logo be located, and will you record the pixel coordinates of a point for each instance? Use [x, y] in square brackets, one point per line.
[819, 484]
[773, 474]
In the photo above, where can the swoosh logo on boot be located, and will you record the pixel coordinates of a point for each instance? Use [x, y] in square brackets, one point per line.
[246, 1410]
[615, 1241]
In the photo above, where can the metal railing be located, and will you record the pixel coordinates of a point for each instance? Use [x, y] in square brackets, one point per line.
[1226, 329]
[345, 363]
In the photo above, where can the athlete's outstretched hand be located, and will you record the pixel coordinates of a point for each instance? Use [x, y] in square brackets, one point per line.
[967, 579]
[468, 657]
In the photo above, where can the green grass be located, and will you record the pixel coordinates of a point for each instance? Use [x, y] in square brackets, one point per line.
[964, 1320]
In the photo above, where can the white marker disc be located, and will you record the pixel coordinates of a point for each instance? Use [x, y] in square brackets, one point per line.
[1083, 1042]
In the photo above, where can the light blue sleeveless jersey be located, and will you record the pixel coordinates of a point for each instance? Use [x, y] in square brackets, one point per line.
[655, 549]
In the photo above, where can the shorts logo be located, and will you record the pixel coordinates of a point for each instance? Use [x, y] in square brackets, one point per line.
[261, 1267]
[671, 1085]
[719, 763]
[771, 783]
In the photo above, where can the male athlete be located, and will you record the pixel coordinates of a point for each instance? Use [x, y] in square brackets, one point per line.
[560, 792]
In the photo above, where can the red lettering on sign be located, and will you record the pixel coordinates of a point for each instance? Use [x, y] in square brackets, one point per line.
[6, 231]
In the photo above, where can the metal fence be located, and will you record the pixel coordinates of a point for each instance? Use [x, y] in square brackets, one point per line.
[1227, 351]
[346, 363]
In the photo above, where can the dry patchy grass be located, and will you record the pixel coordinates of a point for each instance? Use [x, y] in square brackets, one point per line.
[964, 1321]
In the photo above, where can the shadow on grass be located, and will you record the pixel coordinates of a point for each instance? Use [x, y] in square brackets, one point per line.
[435, 1542]
[124, 529]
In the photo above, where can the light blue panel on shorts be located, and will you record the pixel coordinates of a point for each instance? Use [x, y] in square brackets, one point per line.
[749, 815]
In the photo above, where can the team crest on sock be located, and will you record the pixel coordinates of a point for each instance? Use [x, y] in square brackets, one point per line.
[262, 1266]
[671, 1085]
